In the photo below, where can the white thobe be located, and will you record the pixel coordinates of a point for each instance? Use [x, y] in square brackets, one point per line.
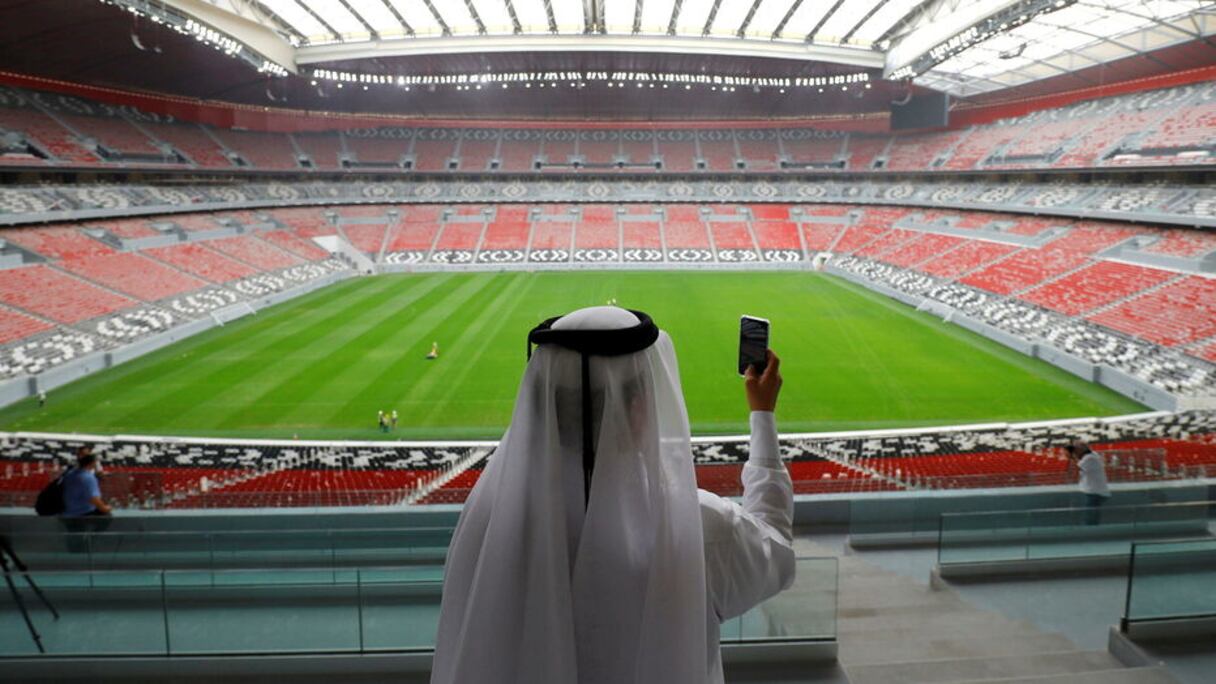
[1093, 475]
[749, 553]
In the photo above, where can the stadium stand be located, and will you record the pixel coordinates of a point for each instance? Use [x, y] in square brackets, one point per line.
[203, 262]
[192, 141]
[324, 150]
[54, 295]
[261, 150]
[1179, 313]
[133, 275]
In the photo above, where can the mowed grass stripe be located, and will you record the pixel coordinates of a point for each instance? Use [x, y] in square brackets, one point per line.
[232, 388]
[383, 374]
[345, 355]
[178, 365]
[436, 401]
[320, 366]
[233, 362]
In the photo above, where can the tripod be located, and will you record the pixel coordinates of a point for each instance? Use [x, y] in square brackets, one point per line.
[7, 554]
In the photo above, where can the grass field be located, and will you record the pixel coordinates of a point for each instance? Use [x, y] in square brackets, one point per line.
[321, 366]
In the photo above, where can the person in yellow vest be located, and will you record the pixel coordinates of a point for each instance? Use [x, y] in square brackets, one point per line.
[434, 353]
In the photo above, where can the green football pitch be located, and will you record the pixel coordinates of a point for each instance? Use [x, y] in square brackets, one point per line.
[322, 365]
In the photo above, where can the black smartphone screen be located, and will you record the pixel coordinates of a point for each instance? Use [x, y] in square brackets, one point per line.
[753, 343]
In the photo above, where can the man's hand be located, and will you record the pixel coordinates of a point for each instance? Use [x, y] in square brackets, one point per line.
[762, 389]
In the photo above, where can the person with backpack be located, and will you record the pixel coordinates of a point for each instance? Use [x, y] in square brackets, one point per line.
[81, 491]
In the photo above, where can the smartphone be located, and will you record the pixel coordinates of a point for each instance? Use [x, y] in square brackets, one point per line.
[753, 343]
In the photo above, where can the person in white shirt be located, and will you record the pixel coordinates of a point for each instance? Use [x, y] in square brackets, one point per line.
[585, 553]
[1092, 481]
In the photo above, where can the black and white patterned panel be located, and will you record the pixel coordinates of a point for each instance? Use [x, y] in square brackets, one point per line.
[1054, 196]
[549, 256]
[642, 255]
[22, 202]
[500, 256]
[596, 256]
[201, 303]
[44, 352]
[958, 297]
[690, 255]
[1094, 344]
[1177, 376]
[404, 258]
[782, 256]
[1017, 317]
[738, 256]
[454, 257]
[134, 324]
[1130, 199]
[259, 285]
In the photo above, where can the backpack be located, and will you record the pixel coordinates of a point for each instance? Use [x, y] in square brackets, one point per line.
[50, 499]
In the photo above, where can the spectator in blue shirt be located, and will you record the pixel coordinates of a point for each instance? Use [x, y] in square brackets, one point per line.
[81, 493]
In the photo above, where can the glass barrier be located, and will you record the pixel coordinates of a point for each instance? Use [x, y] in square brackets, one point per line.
[302, 610]
[918, 516]
[1057, 533]
[1171, 580]
[234, 549]
[805, 611]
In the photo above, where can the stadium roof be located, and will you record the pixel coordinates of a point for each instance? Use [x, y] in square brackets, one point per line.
[964, 47]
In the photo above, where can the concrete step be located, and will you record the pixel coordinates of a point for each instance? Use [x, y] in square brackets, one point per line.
[907, 645]
[963, 669]
[922, 621]
[871, 634]
[1136, 675]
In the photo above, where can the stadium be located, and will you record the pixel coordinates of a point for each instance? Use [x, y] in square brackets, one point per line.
[275, 262]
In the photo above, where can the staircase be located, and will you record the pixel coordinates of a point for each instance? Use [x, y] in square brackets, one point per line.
[894, 630]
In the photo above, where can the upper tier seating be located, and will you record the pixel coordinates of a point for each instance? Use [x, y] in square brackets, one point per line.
[57, 242]
[1094, 286]
[641, 235]
[979, 144]
[254, 252]
[366, 237]
[305, 249]
[134, 275]
[193, 142]
[917, 152]
[731, 235]
[518, 155]
[1179, 313]
[551, 235]
[510, 234]
[262, 150]
[15, 325]
[813, 150]
[113, 133]
[307, 223]
[463, 235]
[1190, 128]
[920, 249]
[776, 234]
[597, 234]
[46, 133]
[965, 258]
[678, 155]
[381, 151]
[1025, 269]
[52, 294]
[864, 150]
[323, 149]
[1169, 126]
[429, 155]
[685, 234]
[475, 155]
[198, 259]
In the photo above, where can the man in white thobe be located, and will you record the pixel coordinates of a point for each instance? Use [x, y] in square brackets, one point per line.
[585, 553]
